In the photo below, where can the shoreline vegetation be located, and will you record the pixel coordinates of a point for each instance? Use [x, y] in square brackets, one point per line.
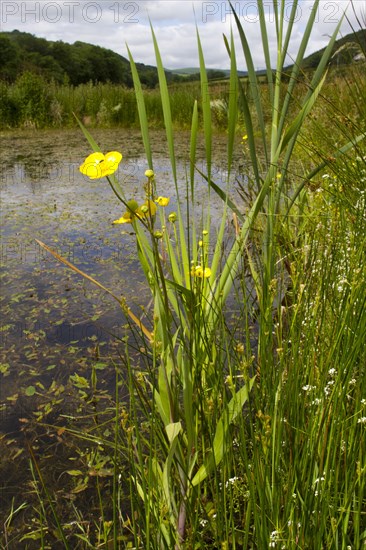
[43, 84]
[248, 434]
[32, 102]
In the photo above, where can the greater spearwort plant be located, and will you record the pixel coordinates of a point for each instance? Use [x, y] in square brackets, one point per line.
[230, 459]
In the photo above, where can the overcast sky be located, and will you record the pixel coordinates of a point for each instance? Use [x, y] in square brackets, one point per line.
[112, 24]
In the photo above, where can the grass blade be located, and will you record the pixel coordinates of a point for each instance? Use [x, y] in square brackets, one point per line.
[141, 110]
[233, 105]
[206, 108]
[253, 84]
[165, 101]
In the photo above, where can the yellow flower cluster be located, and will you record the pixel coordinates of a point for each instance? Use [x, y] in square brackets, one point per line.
[147, 209]
[201, 272]
[97, 165]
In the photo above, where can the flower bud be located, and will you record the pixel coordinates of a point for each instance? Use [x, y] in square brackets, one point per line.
[162, 201]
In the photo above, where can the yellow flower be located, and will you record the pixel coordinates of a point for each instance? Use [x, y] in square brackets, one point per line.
[149, 174]
[129, 215]
[172, 217]
[163, 201]
[126, 218]
[146, 209]
[135, 211]
[201, 272]
[97, 165]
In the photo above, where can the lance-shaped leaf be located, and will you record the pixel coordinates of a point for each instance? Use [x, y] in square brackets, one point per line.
[141, 110]
[232, 410]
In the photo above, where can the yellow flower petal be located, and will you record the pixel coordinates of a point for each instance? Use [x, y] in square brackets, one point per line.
[126, 218]
[98, 165]
[111, 163]
[149, 174]
[162, 201]
[91, 166]
[94, 158]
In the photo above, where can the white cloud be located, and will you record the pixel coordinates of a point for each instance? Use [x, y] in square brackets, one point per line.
[111, 24]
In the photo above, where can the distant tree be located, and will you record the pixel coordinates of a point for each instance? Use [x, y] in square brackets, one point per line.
[45, 65]
[214, 74]
[62, 53]
[148, 75]
[9, 59]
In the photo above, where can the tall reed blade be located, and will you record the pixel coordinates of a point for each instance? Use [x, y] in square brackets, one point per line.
[141, 110]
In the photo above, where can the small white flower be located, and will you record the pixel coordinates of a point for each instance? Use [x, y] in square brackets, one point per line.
[362, 420]
[274, 538]
[231, 481]
[316, 401]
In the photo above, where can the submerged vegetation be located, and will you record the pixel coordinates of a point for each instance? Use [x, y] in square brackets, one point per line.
[239, 412]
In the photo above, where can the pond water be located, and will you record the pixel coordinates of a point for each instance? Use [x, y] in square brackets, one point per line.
[53, 321]
[56, 327]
